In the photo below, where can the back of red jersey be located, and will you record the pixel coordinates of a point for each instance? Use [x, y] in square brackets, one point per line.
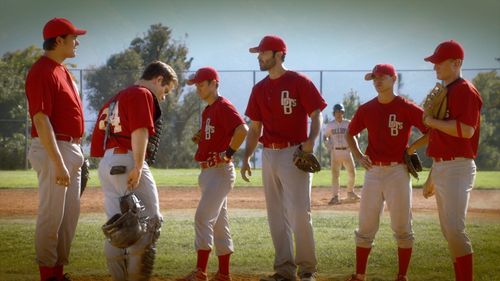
[219, 120]
[283, 105]
[389, 127]
[130, 109]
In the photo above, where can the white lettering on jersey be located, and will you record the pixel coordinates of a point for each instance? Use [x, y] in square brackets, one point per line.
[287, 102]
[209, 130]
[394, 125]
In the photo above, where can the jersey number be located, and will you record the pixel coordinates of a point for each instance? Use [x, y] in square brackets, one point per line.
[114, 119]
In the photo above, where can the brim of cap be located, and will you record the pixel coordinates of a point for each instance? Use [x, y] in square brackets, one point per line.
[254, 50]
[433, 59]
[369, 76]
[80, 32]
[191, 82]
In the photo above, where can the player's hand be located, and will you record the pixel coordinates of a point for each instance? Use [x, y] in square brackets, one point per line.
[428, 188]
[196, 137]
[245, 168]
[133, 178]
[308, 146]
[62, 175]
[365, 161]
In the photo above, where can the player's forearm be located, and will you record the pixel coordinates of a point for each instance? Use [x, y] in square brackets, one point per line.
[450, 127]
[252, 139]
[239, 136]
[316, 121]
[47, 137]
[139, 145]
[353, 145]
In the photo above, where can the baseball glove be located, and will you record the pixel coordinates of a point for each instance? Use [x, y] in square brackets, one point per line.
[307, 162]
[413, 163]
[436, 102]
[85, 175]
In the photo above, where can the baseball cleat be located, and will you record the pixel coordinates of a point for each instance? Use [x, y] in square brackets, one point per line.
[307, 276]
[354, 277]
[221, 277]
[334, 201]
[275, 277]
[195, 275]
[352, 196]
[401, 278]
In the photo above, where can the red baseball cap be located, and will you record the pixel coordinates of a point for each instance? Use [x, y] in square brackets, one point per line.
[60, 26]
[446, 50]
[270, 43]
[203, 74]
[381, 69]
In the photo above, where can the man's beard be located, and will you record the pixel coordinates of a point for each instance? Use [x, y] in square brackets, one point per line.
[266, 65]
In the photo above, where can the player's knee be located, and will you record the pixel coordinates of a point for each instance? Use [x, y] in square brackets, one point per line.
[363, 240]
[404, 239]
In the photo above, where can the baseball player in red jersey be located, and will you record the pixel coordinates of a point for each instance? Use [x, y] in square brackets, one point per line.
[125, 137]
[57, 115]
[340, 154]
[453, 144]
[221, 134]
[388, 119]
[279, 107]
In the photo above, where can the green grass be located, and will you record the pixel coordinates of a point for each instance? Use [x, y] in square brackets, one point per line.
[253, 249]
[189, 177]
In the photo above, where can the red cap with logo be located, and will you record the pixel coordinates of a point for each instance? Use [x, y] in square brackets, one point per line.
[60, 26]
[381, 69]
[203, 74]
[446, 50]
[270, 43]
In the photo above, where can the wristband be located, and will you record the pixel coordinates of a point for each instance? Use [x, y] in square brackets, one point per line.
[230, 152]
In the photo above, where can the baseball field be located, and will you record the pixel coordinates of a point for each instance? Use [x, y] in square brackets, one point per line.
[253, 257]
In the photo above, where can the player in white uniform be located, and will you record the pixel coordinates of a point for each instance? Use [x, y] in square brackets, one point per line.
[340, 154]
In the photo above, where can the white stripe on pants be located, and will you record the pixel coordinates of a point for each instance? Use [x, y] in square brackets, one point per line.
[288, 200]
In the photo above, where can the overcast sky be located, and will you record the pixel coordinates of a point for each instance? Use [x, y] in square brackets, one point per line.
[336, 35]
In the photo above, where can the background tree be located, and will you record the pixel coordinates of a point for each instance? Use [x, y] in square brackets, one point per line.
[181, 109]
[13, 69]
[488, 84]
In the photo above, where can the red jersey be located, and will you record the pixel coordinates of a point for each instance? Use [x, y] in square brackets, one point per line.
[283, 105]
[218, 122]
[51, 90]
[389, 127]
[464, 105]
[133, 109]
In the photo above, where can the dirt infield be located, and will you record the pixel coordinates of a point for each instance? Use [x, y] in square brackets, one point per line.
[24, 202]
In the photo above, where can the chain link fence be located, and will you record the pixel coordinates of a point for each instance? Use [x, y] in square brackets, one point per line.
[236, 85]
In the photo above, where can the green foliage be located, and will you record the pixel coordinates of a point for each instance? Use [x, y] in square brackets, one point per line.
[180, 111]
[254, 253]
[13, 110]
[488, 84]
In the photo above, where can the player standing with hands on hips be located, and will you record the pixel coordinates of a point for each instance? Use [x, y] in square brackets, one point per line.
[126, 136]
[453, 144]
[279, 107]
[221, 134]
[340, 154]
[57, 115]
[388, 119]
